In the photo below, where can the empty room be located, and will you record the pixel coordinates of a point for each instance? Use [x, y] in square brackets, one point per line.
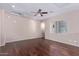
[39, 29]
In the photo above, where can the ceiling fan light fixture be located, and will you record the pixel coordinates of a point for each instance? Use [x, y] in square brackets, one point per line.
[44, 12]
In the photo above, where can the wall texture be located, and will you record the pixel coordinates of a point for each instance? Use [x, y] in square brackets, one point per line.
[0, 25]
[72, 35]
[16, 28]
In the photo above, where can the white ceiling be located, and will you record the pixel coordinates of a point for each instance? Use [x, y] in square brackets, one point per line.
[27, 9]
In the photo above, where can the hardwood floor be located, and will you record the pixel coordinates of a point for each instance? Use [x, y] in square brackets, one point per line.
[38, 47]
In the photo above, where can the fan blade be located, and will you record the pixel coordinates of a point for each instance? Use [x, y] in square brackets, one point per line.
[44, 12]
[17, 12]
[41, 14]
[39, 11]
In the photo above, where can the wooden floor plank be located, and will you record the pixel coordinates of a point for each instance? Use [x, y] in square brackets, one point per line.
[38, 47]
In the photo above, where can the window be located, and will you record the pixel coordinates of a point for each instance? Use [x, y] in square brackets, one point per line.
[60, 26]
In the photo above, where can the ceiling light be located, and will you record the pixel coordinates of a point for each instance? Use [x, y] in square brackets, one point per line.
[13, 6]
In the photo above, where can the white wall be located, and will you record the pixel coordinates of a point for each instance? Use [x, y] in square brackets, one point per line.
[72, 36]
[16, 28]
[0, 26]
[2, 31]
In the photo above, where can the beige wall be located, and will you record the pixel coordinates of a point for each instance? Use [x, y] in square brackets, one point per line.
[0, 25]
[2, 31]
[72, 36]
[17, 28]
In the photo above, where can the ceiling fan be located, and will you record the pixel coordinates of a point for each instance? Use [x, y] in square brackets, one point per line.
[40, 12]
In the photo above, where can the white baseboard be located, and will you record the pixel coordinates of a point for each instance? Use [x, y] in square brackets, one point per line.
[2, 45]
